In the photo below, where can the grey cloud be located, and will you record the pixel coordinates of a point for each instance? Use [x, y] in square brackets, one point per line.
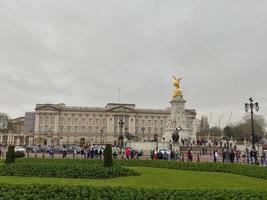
[81, 52]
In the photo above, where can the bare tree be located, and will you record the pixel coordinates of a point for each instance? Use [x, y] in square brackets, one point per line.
[3, 120]
[204, 126]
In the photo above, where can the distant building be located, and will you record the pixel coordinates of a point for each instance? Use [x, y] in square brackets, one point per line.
[15, 132]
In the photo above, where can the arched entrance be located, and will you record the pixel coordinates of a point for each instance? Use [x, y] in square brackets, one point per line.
[40, 141]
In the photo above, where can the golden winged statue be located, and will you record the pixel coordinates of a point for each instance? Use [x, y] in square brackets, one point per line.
[177, 90]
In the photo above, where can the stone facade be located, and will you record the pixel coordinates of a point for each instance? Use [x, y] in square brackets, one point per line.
[54, 124]
[61, 124]
[15, 133]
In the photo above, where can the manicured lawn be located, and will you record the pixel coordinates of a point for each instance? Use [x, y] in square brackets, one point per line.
[157, 178]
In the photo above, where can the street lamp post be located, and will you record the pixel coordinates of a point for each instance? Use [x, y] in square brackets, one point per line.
[126, 129]
[120, 140]
[126, 132]
[156, 137]
[101, 133]
[250, 106]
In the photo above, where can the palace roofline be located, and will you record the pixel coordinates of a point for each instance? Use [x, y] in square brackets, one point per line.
[109, 106]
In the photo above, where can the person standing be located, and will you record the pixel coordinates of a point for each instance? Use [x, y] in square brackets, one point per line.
[227, 156]
[100, 153]
[151, 154]
[132, 154]
[215, 154]
[189, 156]
[172, 155]
[238, 155]
[223, 156]
[253, 156]
[232, 156]
[263, 158]
[178, 156]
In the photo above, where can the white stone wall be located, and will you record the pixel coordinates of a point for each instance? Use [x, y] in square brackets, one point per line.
[71, 125]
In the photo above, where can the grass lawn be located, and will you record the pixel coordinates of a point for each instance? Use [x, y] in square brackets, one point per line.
[156, 178]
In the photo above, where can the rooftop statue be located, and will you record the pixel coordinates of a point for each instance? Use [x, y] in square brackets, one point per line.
[177, 90]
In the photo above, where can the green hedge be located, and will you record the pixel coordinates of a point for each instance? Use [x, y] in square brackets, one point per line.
[241, 169]
[108, 162]
[10, 155]
[57, 192]
[62, 169]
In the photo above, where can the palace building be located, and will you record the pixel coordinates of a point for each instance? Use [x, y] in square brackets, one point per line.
[116, 123]
[58, 124]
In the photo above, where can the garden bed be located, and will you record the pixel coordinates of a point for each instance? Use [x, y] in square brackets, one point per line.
[63, 169]
[44, 192]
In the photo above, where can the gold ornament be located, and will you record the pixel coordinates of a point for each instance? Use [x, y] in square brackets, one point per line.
[177, 90]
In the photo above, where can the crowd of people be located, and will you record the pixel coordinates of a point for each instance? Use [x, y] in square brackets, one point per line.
[226, 155]
[249, 157]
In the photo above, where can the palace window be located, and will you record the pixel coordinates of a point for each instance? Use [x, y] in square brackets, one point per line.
[46, 119]
[46, 128]
[62, 121]
[83, 129]
[41, 119]
[53, 120]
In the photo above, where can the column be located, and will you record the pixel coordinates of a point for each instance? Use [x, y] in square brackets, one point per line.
[8, 140]
[132, 125]
[13, 140]
[36, 124]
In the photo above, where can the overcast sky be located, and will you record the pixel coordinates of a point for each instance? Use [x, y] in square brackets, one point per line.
[82, 52]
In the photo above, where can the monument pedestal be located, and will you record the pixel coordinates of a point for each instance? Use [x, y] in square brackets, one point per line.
[177, 119]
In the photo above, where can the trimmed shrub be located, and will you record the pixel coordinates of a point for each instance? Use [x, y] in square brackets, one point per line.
[245, 170]
[241, 169]
[44, 192]
[108, 156]
[10, 155]
[64, 169]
